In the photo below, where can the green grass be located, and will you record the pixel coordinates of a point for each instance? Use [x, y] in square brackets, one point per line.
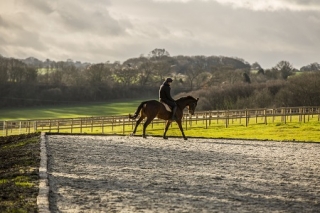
[85, 110]
[18, 144]
[23, 181]
[293, 130]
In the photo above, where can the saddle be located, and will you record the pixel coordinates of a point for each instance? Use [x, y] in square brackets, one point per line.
[168, 108]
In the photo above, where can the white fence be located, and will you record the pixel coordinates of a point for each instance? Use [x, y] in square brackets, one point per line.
[121, 124]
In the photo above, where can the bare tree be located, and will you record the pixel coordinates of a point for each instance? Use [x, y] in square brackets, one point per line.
[196, 66]
[162, 69]
[4, 77]
[127, 75]
[285, 69]
[146, 73]
[98, 74]
[159, 53]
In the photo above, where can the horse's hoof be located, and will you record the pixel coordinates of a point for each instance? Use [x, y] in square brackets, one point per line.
[166, 138]
[132, 134]
[144, 137]
[185, 139]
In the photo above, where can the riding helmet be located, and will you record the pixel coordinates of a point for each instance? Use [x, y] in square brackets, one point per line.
[169, 80]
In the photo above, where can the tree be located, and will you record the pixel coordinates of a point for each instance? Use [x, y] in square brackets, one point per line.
[194, 69]
[302, 90]
[255, 66]
[98, 74]
[146, 72]
[311, 67]
[260, 71]
[127, 75]
[3, 70]
[285, 69]
[246, 78]
[30, 75]
[272, 73]
[162, 69]
[159, 53]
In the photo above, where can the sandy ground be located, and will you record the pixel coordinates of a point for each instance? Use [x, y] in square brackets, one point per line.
[131, 174]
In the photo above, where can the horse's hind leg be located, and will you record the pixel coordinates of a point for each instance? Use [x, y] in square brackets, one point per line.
[137, 124]
[148, 121]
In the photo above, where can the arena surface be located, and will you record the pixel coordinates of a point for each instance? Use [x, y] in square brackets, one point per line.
[132, 174]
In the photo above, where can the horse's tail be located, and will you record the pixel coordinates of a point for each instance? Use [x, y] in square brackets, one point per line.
[135, 115]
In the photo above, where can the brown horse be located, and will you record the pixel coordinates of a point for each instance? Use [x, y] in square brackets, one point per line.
[153, 108]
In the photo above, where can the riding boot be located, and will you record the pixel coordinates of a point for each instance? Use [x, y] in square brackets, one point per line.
[174, 113]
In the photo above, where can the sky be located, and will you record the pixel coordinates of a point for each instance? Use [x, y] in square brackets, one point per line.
[263, 31]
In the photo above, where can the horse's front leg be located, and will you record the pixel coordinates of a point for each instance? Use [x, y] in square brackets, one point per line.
[166, 129]
[181, 129]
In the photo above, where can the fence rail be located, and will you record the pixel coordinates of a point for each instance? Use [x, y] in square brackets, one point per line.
[121, 124]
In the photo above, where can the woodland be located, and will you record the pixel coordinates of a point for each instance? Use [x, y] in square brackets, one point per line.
[220, 82]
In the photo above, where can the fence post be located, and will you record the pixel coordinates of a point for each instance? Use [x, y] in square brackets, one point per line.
[91, 124]
[123, 129]
[206, 120]
[71, 130]
[102, 125]
[5, 127]
[50, 125]
[226, 114]
[300, 114]
[196, 119]
[186, 119]
[29, 126]
[35, 126]
[246, 116]
[112, 124]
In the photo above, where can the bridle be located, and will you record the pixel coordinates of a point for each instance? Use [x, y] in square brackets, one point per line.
[193, 107]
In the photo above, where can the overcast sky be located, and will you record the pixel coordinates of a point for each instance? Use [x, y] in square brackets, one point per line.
[263, 31]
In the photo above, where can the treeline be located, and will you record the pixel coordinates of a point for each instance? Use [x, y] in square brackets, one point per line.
[220, 82]
[299, 90]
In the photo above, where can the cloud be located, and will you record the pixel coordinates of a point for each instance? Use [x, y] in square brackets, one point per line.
[114, 30]
[264, 5]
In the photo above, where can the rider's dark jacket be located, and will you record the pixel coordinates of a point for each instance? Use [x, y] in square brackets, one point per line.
[164, 93]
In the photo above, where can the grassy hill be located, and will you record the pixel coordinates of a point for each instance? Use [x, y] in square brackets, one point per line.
[84, 110]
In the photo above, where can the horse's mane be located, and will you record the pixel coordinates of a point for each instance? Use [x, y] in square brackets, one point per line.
[186, 97]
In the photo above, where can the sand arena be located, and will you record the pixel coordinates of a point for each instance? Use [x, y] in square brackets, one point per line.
[132, 174]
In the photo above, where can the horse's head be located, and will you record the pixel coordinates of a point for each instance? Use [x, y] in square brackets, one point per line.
[192, 105]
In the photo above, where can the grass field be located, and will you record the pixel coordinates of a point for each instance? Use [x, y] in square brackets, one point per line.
[278, 131]
[294, 130]
[85, 110]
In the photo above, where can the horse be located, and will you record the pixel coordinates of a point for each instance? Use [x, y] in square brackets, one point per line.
[153, 108]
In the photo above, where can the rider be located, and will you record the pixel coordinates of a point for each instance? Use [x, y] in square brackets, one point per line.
[165, 96]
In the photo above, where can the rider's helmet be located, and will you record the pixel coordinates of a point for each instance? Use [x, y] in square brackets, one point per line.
[169, 80]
